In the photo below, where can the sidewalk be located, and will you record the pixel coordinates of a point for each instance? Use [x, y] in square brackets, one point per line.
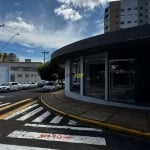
[127, 120]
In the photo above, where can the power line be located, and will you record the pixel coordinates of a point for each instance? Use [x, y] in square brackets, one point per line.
[9, 41]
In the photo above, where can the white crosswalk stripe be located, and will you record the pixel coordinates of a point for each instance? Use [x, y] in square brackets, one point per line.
[72, 122]
[20, 112]
[42, 117]
[30, 114]
[56, 119]
[4, 104]
[16, 147]
[63, 127]
[58, 137]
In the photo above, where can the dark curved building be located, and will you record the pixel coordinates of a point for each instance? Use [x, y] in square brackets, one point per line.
[113, 66]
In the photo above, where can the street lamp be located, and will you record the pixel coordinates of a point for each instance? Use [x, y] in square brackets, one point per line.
[9, 41]
[1, 25]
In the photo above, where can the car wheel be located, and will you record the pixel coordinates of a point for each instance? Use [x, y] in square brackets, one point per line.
[8, 90]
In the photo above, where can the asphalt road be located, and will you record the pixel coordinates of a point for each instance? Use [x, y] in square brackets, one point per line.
[26, 124]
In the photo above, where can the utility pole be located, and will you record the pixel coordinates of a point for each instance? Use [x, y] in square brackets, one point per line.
[44, 54]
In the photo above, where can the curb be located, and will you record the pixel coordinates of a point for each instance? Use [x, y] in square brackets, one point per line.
[99, 123]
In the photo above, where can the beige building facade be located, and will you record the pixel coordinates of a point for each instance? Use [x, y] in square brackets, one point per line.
[8, 57]
[112, 17]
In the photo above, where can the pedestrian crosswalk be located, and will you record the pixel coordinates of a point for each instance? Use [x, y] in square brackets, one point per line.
[37, 114]
[3, 104]
[41, 125]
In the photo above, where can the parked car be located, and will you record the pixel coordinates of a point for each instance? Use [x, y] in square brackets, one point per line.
[10, 86]
[51, 86]
[42, 83]
[29, 85]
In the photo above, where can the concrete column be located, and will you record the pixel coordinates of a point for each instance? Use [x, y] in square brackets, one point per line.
[82, 75]
[106, 75]
[67, 75]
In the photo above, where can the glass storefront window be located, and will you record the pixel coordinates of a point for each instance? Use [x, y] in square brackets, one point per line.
[75, 75]
[121, 79]
[94, 76]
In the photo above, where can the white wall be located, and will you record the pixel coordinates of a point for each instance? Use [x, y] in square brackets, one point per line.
[33, 76]
[4, 74]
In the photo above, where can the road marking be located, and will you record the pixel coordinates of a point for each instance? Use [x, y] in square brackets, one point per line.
[16, 147]
[21, 111]
[4, 104]
[42, 117]
[15, 110]
[56, 120]
[30, 114]
[63, 127]
[14, 104]
[72, 122]
[58, 137]
[2, 96]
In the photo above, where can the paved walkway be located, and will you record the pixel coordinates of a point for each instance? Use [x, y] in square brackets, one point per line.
[126, 120]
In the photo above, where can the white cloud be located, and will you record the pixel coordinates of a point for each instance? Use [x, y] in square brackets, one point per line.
[100, 27]
[69, 8]
[21, 25]
[30, 51]
[32, 36]
[68, 13]
[90, 4]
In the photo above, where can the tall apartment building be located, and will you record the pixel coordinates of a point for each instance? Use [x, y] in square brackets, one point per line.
[112, 17]
[131, 13]
[134, 13]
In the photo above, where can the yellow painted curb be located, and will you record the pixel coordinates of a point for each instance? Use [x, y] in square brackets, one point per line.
[14, 104]
[100, 123]
[15, 110]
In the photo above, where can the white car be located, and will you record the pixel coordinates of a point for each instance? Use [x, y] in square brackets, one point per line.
[29, 85]
[10, 86]
[50, 87]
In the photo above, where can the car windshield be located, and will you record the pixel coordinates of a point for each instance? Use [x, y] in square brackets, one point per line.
[5, 84]
[50, 84]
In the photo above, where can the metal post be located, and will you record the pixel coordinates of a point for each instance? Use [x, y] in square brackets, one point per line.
[44, 53]
[106, 76]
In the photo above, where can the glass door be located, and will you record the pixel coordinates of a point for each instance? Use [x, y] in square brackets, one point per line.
[121, 79]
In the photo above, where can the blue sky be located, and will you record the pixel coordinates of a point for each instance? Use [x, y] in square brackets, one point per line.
[47, 25]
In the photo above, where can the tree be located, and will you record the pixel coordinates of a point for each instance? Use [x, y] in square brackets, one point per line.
[51, 71]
